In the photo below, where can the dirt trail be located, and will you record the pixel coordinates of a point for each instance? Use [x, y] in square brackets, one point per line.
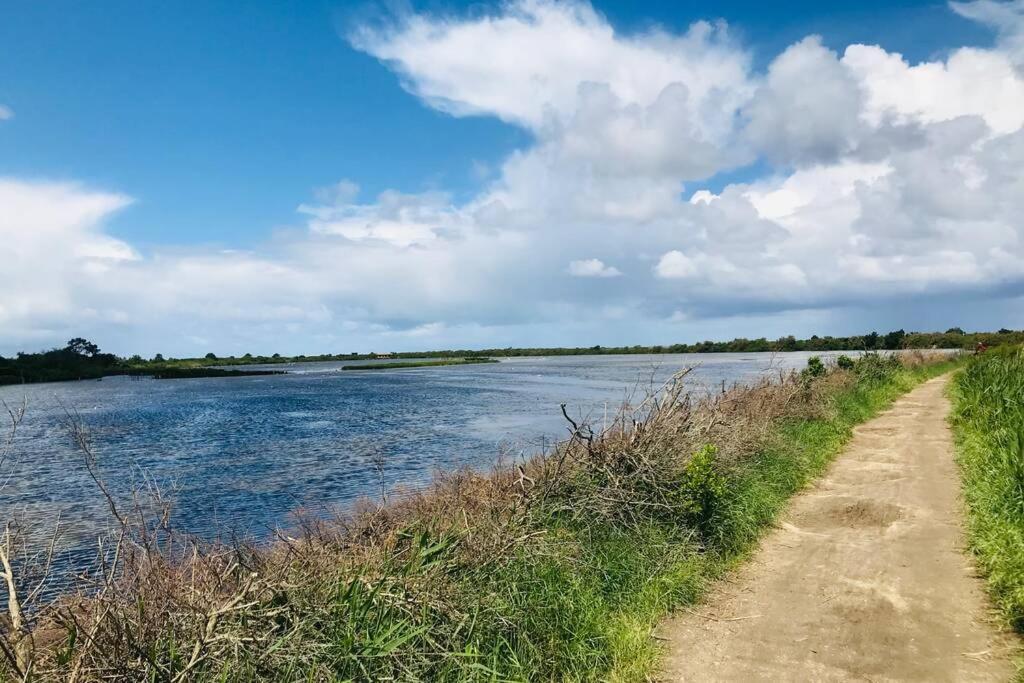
[864, 579]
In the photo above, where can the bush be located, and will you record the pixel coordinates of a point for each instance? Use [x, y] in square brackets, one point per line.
[815, 368]
[876, 367]
[844, 362]
[702, 489]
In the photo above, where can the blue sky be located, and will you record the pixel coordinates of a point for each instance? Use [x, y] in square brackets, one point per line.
[219, 121]
[206, 126]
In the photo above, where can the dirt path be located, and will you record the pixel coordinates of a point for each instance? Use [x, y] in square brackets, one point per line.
[864, 579]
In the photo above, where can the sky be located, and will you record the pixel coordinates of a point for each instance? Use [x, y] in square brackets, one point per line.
[328, 177]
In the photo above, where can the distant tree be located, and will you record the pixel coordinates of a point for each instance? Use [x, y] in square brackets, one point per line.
[248, 355]
[894, 339]
[158, 358]
[785, 343]
[82, 347]
[955, 330]
[211, 356]
[871, 341]
[1003, 330]
[276, 355]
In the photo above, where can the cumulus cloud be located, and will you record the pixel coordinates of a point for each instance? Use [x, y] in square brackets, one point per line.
[592, 267]
[808, 107]
[885, 181]
[538, 53]
[1007, 18]
[6, 113]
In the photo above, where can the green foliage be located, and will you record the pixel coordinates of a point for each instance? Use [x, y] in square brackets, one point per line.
[875, 366]
[79, 359]
[702, 489]
[988, 420]
[844, 362]
[582, 605]
[894, 340]
[45, 367]
[815, 368]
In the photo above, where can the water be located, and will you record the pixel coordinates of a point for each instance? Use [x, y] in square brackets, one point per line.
[240, 454]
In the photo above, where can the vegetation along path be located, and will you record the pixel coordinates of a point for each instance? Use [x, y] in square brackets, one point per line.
[864, 579]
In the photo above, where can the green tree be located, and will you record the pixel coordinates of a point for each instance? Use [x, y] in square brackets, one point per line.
[82, 347]
[786, 343]
[894, 339]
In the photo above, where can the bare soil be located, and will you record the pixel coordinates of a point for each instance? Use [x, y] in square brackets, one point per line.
[864, 579]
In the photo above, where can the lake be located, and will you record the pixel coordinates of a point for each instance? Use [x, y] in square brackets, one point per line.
[240, 454]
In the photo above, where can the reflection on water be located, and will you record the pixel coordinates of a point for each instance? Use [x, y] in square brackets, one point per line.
[237, 454]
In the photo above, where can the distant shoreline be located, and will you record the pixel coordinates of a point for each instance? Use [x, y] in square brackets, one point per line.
[419, 364]
[81, 359]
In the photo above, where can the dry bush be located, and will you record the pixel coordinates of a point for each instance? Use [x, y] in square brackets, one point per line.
[337, 596]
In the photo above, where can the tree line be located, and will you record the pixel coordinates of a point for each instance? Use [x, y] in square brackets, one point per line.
[82, 359]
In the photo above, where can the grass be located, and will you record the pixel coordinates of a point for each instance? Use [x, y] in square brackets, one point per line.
[799, 452]
[419, 364]
[558, 569]
[988, 421]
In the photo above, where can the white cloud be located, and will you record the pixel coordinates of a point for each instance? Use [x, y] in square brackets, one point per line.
[971, 82]
[592, 268]
[891, 183]
[808, 108]
[539, 53]
[675, 265]
[6, 113]
[1007, 18]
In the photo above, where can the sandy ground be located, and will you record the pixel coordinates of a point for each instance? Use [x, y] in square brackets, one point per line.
[864, 579]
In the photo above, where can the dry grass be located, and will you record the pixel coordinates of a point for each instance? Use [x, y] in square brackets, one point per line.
[512, 574]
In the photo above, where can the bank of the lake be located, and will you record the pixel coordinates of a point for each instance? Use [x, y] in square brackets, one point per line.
[555, 570]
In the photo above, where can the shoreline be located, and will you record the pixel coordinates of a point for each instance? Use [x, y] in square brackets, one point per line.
[555, 535]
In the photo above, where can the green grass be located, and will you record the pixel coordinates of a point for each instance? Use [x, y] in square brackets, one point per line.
[559, 589]
[419, 364]
[988, 421]
[584, 604]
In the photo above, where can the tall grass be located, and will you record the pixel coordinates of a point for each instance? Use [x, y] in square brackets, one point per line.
[988, 420]
[559, 568]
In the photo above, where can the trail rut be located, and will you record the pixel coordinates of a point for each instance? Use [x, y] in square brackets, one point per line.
[864, 579]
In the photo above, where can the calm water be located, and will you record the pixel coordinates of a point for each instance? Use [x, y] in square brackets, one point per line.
[239, 454]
